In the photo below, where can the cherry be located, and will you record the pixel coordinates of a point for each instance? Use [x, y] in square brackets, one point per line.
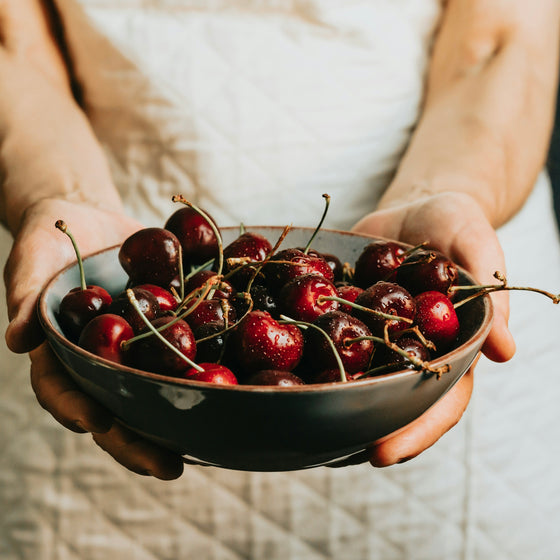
[386, 358]
[196, 235]
[332, 375]
[299, 297]
[213, 373]
[122, 306]
[378, 262]
[261, 342]
[332, 260]
[262, 300]
[427, 270]
[151, 256]
[104, 336]
[248, 247]
[222, 289]
[211, 310]
[153, 354]
[389, 299]
[436, 318]
[81, 304]
[349, 293]
[210, 341]
[340, 328]
[291, 263]
[165, 299]
[274, 377]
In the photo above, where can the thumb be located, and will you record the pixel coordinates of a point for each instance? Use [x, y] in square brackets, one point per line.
[25, 274]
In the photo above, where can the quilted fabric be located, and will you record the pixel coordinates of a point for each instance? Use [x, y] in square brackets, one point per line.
[249, 106]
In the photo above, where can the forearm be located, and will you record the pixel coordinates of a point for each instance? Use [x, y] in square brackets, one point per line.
[489, 107]
[47, 148]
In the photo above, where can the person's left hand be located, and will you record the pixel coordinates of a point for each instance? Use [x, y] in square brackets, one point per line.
[456, 225]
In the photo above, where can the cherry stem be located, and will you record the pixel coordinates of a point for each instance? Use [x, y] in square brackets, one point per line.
[379, 314]
[412, 250]
[317, 229]
[61, 225]
[183, 200]
[305, 325]
[181, 273]
[136, 305]
[483, 290]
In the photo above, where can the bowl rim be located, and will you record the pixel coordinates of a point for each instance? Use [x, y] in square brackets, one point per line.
[49, 328]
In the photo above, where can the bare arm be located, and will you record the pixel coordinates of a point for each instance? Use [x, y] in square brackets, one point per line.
[41, 123]
[489, 107]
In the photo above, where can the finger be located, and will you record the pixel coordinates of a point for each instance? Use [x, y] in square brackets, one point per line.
[425, 430]
[59, 395]
[139, 455]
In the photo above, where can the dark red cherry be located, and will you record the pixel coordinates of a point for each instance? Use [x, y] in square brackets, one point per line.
[210, 341]
[378, 261]
[248, 245]
[104, 336]
[274, 377]
[340, 328]
[388, 298]
[437, 320]
[195, 234]
[348, 292]
[148, 304]
[291, 263]
[213, 373]
[332, 260]
[78, 307]
[152, 354]
[151, 256]
[299, 298]
[427, 270]
[261, 342]
[165, 299]
[385, 356]
[211, 310]
[222, 289]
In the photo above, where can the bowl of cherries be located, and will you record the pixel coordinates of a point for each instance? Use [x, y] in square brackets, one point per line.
[264, 348]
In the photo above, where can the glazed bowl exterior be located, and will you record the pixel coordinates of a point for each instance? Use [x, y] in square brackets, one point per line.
[258, 428]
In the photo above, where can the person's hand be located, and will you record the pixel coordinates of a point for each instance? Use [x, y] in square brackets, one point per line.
[38, 252]
[456, 225]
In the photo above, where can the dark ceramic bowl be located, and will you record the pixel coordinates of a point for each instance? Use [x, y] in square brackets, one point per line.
[252, 427]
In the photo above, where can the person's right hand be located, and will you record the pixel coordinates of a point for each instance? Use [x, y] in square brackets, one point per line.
[38, 252]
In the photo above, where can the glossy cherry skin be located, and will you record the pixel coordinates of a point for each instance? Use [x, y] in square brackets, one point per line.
[148, 304]
[437, 320]
[195, 234]
[299, 298]
[210, 311]
[426, 270]
[385, 356]
[388, 298]
[152, 354]
[294, 263]
[332, 260]
[165, 299]
[331, 376]
[274, 377]
[151, 256]
[222, 289]
[251, 245]
[211, 349]
[340, 327]
[78, 307]
[377, 262]
[213, 373]
[261, 342]
[349, 292]
[104, 336]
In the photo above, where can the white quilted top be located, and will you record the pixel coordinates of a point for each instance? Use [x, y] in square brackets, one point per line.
[255, 108]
